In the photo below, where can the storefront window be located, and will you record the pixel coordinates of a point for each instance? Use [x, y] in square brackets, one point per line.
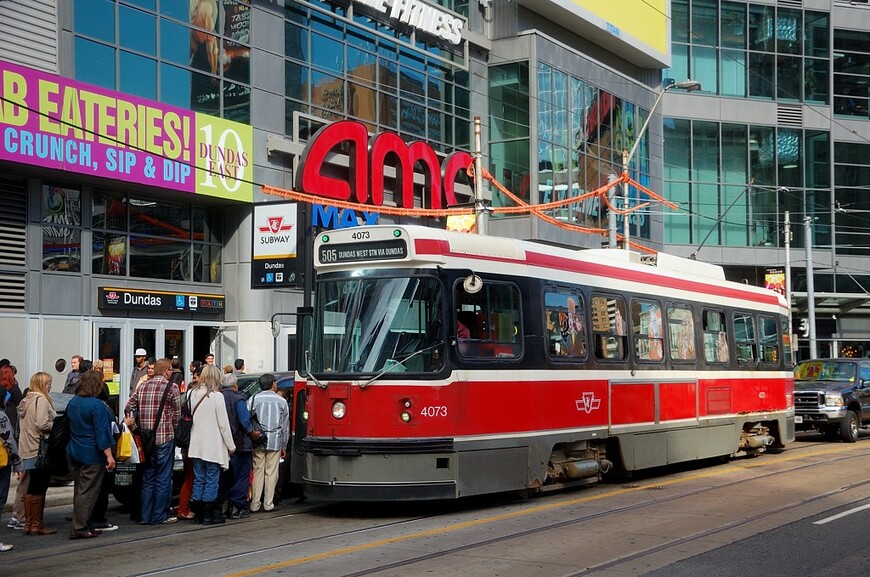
[61, 228]
[143, 238]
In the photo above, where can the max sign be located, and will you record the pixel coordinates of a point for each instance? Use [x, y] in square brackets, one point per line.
[367, 157]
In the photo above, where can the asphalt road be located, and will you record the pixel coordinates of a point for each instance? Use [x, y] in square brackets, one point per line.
[750, 517]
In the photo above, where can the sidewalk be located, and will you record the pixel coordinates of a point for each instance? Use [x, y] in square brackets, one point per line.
[56, 496]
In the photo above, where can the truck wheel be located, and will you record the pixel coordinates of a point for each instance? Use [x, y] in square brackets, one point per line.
[849, 427]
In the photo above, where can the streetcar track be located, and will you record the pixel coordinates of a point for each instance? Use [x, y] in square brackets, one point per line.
[629, 508]
[471, 546]
[796, 450]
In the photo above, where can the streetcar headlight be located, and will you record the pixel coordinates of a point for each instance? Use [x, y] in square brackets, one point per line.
[339, 409]
[834, 400]
[406, 417]
[305, 415]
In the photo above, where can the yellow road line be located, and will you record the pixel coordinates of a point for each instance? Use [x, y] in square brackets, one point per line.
[529, 511]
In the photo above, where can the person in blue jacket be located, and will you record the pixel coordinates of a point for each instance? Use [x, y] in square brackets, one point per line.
[89, 449]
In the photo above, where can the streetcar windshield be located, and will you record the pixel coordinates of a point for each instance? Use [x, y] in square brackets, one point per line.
[372, 325]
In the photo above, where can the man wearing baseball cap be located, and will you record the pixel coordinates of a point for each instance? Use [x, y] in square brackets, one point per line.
[140, 368]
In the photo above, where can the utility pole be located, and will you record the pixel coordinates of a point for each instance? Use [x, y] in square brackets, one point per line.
[481, 216]
[811, 291]
[626, 225]
[627, 155]
[611, 214]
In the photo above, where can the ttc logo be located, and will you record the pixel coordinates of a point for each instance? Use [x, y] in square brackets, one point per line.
[588, 403]
[276, 225]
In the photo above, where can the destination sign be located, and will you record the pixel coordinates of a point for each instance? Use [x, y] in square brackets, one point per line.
[392, 249]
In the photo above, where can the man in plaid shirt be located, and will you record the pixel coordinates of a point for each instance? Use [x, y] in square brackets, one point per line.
[157, 473]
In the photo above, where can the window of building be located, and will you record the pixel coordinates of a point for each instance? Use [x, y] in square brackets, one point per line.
[681, 333]
[582, 133]
[647, 331]
[138, 237]
[566, 324]
[368, 71]
[851, 73]
[193, 55]
[733, 182]
[61, 228]
[509, 136]
[751, 50]
[609, 333]
[852, 203]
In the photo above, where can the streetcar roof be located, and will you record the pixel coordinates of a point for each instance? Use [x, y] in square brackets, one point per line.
[430, 247]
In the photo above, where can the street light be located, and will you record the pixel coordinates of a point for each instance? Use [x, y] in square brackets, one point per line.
[688, 86]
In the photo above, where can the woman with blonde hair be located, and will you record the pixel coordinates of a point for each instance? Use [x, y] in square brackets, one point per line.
[36, 414]
[211, 442]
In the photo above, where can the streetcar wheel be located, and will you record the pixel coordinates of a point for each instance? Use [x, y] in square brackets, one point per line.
[849, 427]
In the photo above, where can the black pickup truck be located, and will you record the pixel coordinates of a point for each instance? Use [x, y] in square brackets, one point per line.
[832, 396]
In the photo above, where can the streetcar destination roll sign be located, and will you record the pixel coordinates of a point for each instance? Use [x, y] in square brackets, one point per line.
[392, 249]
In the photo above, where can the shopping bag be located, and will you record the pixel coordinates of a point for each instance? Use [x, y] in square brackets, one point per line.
[135, 458]
[124, 446]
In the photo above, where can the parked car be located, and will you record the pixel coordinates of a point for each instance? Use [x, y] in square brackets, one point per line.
[832, 396]
[249, 383]
[124, 489]
[61, 470]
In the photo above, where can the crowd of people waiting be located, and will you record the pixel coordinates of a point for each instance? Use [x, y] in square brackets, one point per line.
[231, 456]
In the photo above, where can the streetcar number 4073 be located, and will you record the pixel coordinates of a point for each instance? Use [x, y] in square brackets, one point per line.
[434, 411]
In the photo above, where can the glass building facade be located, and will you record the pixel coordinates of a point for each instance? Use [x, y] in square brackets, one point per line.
[352, 66]
[735, 175]
[573, 131]
[192, 55]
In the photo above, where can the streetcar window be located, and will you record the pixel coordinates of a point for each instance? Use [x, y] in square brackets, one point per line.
[768, 339]
[488, 321]
[681, 333]
[608, 327]
[646, 327]
[744, 339]
[715, 337]
[566, 324]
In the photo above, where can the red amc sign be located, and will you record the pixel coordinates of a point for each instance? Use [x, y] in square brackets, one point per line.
[367, 157]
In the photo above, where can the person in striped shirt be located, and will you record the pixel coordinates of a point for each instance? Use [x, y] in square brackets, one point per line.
[273, 413]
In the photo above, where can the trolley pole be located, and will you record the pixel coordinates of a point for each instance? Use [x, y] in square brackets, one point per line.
[481, 216]
[811, 290]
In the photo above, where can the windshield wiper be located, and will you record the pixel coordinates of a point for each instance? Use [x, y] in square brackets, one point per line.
[398, 364]
[310, 374]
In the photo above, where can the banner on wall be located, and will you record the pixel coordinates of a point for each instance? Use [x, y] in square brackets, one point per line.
[55, 122]
[775, 280]
[274, 258]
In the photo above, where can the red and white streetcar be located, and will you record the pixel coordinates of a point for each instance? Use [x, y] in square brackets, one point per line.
[443, 365]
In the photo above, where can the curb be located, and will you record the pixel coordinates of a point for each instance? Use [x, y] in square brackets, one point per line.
[57, 496]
